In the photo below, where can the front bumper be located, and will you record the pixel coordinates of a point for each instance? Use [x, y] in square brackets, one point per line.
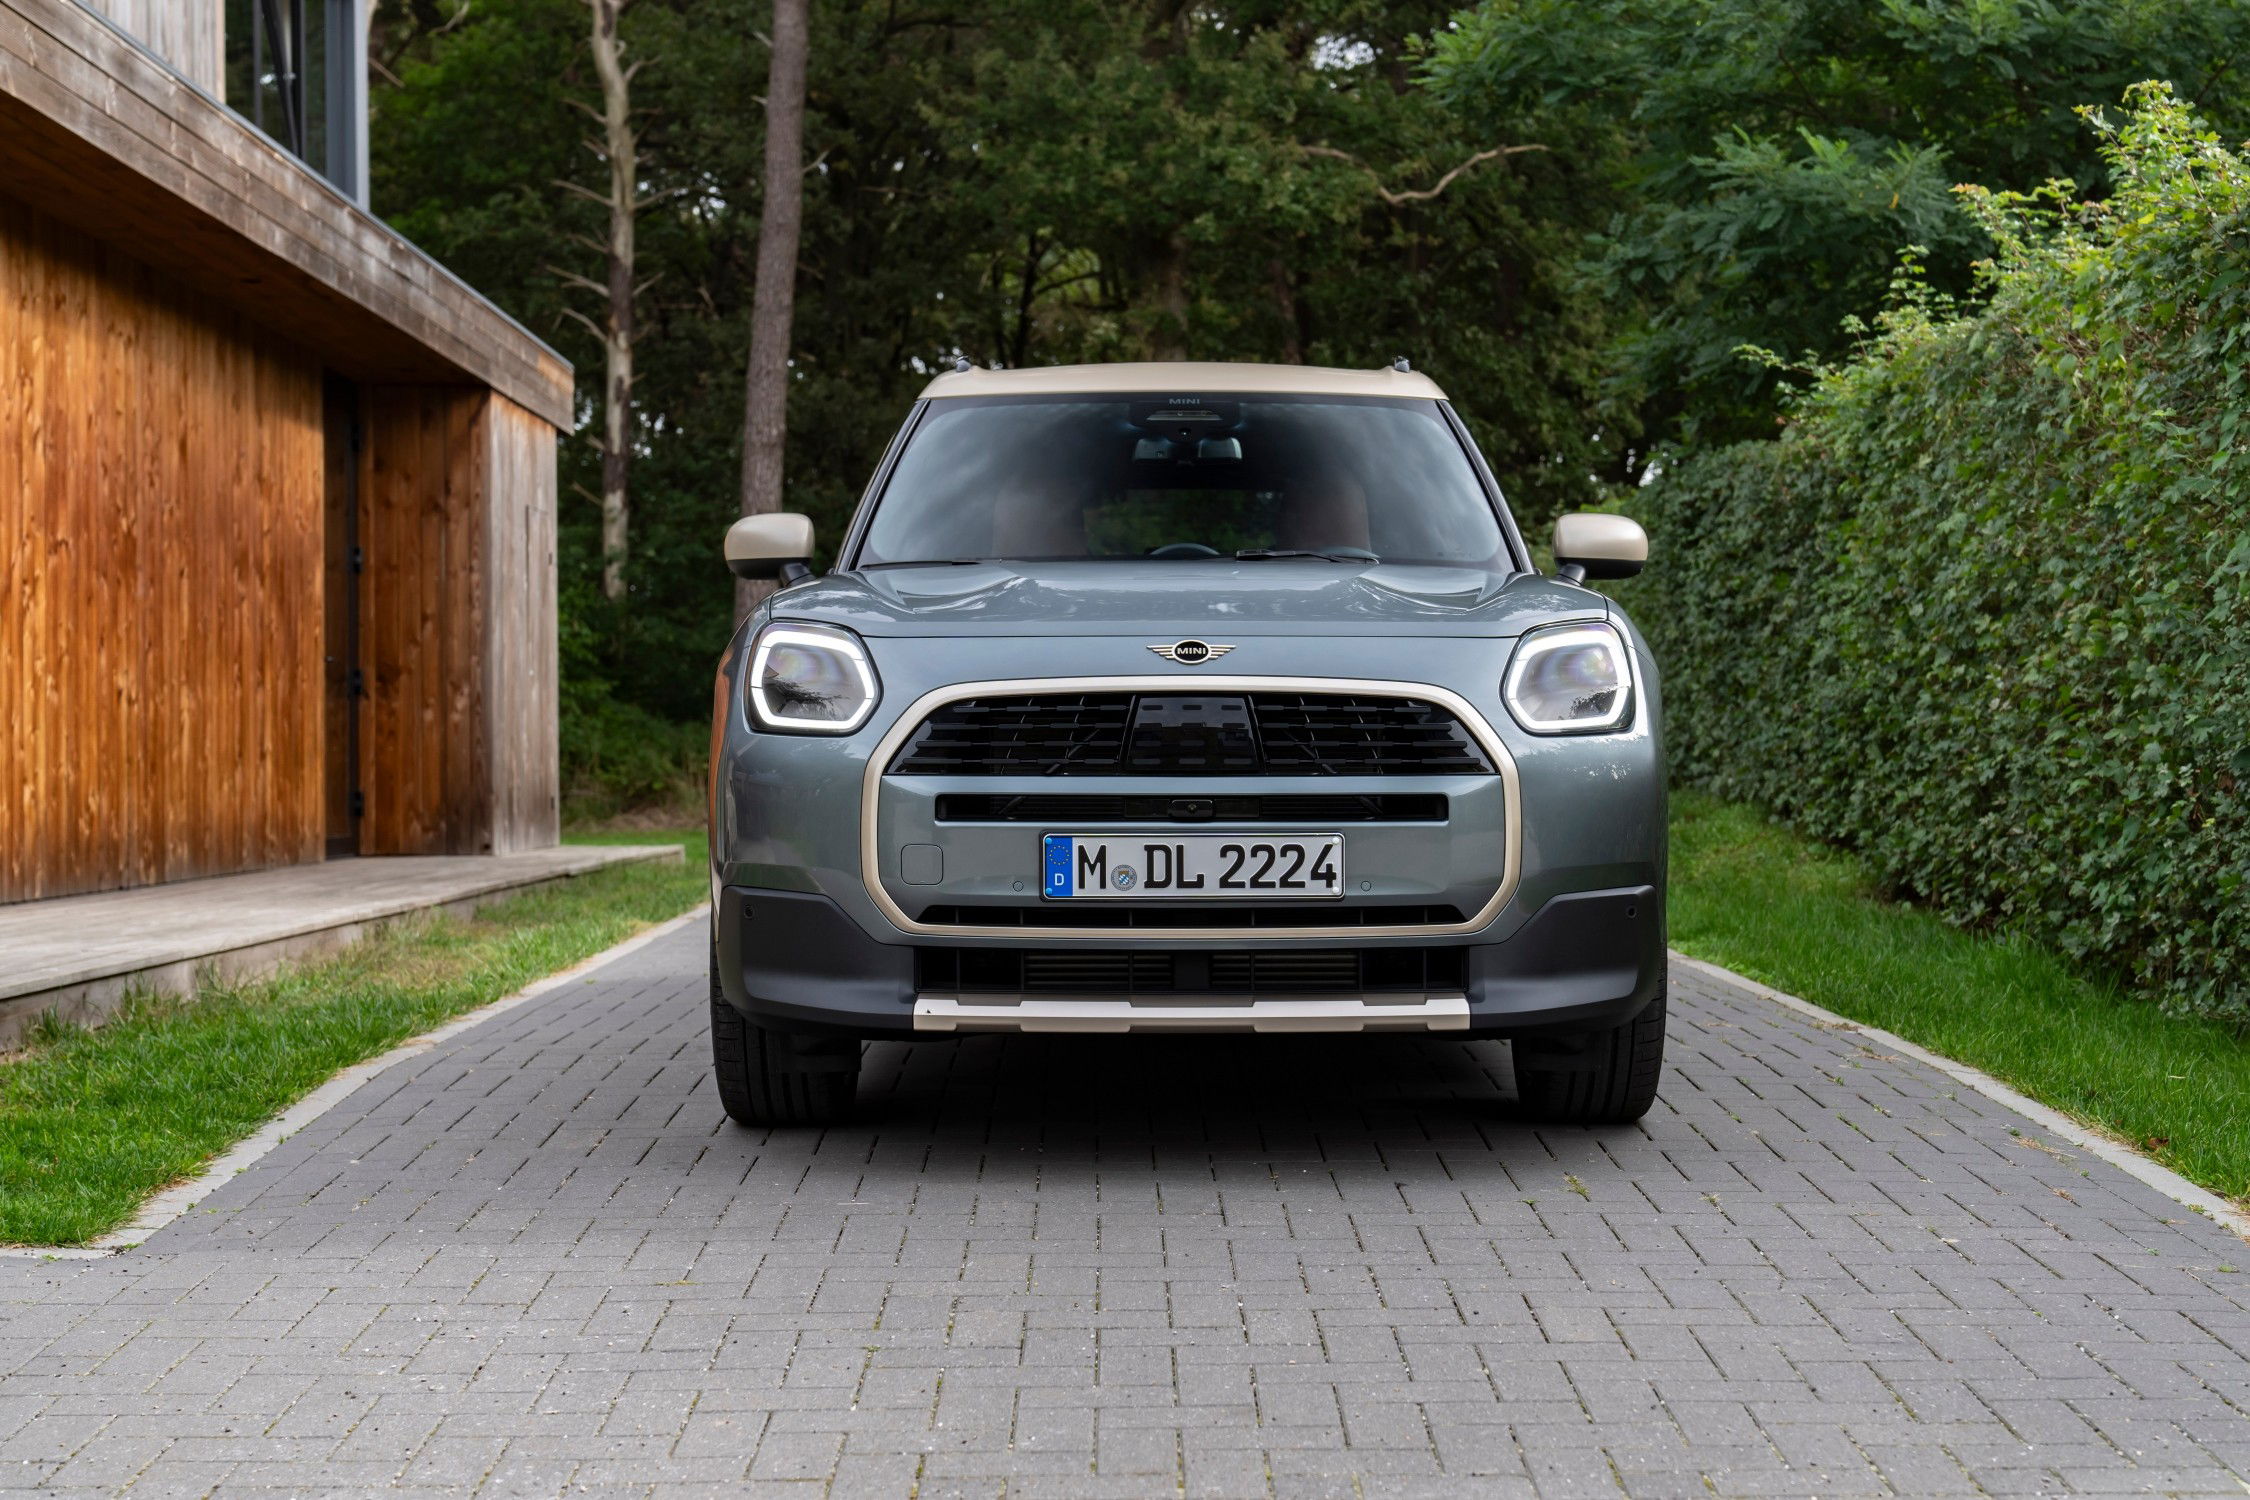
[796, 961]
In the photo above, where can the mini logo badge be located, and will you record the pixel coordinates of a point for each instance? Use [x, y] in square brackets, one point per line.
[1191, 653]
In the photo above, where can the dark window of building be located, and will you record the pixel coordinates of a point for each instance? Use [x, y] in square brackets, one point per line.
[297, 70]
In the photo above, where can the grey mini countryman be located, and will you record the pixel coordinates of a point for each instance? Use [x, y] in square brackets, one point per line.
[1186, 697]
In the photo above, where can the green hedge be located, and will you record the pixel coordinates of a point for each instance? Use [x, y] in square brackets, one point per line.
[1983, 610]
[619, 758]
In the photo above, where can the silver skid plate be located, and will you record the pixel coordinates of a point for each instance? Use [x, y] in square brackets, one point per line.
[1192, 1013]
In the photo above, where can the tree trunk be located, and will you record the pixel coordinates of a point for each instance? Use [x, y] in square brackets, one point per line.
[623, 153]
[1019, 348]
[765, 413]
[1168, 331]
[1286, 311]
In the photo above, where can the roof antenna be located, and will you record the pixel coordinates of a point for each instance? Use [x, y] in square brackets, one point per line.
[961, 365]
[1399, 364]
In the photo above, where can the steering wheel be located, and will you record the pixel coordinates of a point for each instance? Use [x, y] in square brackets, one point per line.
[1183, 549]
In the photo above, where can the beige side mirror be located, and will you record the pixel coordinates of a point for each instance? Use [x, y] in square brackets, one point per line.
[766, 546]
[1596, 544]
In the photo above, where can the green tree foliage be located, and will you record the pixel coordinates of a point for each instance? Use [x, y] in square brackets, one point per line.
[1256, 182]
[1778, 152]
[1020, 181]
[468, 145]
[1983, 611]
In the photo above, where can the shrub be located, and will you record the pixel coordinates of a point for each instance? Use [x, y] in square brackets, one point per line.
[1983, 610]
[617, 757]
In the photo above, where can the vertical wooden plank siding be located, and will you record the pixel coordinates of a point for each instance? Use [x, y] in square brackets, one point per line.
[423, 754]
[520, 662]
[340, 414]
[162, 585]
[188, 34]
[457, 624]
[458, 585]
[391, 632]
[15, 565]
[160, 657]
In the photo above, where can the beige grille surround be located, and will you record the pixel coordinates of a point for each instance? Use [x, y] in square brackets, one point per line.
[1480, 729]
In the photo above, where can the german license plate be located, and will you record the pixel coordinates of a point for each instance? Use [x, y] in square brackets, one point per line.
[1195, 866]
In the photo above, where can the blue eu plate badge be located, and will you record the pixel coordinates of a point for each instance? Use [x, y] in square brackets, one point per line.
[1057, 851]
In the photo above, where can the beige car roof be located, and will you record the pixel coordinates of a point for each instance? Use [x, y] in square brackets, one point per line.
[1182, 377]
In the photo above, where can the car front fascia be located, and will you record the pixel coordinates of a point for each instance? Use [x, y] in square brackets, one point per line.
[1586, 811]
[873, 778]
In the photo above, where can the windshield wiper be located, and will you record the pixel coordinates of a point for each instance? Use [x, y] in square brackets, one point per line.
[1340, 555]
[930, 562]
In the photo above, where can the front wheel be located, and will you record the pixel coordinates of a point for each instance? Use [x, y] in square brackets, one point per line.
[768, 1077]
[1605, 1077]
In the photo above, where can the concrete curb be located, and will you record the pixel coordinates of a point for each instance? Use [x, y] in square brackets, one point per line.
[177, 1199]
[2119, 1155]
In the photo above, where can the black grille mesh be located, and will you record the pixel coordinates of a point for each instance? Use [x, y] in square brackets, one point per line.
[1044, 736]
[1178, 916]
[1188, 734]
[1094, 807]
[1329, 735]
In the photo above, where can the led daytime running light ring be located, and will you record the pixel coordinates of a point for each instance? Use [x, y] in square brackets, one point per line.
[766, 715]
[1541, 643]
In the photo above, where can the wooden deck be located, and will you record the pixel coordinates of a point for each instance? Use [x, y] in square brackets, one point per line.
[80, 955]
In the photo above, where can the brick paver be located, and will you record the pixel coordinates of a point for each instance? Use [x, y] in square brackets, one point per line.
[537, 1261]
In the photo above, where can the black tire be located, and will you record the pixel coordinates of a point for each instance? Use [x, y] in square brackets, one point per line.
[768, 1077]
[1603, 1077]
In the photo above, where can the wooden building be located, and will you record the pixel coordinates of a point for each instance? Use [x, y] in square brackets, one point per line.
[277, 492]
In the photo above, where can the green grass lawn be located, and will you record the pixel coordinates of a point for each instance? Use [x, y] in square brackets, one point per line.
[92, 1122]
[1798, 916]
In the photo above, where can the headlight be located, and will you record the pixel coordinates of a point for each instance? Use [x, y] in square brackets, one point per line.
[810, 679]
[1576, 679]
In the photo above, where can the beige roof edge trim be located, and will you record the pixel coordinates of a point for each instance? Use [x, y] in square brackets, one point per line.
[870, 844]
[1197, 377]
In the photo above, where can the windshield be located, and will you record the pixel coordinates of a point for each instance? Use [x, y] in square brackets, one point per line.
[1185, 478]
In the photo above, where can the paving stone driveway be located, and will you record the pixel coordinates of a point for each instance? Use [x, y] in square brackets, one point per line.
[536, 1261]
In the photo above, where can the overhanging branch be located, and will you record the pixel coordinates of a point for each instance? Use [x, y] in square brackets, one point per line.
[1397, 197]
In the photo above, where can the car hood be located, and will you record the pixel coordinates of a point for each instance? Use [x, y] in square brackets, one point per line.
[1187, 599]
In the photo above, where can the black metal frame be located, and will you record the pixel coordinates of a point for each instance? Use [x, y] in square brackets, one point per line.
[279, 25]
[306, 55]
